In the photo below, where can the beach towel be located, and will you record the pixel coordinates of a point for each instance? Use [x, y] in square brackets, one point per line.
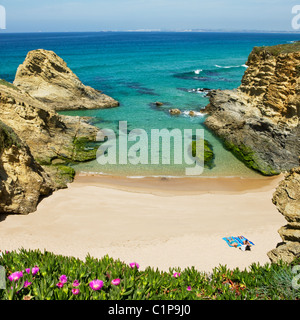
[238, 241]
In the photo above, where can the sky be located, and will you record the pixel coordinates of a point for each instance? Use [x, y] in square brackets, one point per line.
[98, 15]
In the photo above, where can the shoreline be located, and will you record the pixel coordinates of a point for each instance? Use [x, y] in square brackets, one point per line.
[152, 222]
[180, 185]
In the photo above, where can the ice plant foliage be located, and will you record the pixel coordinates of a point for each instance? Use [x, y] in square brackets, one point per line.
[68, 278]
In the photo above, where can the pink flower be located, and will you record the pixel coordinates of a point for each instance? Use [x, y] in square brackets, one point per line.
[189, 288]
[134, 264]
[60, 284]
[75, 291]
[27, 270]
[63, 279]
[35, 270]
[27, 284]
[76, 283]
[16, 276]
[116, 282]
[176, 274]
[96, 284]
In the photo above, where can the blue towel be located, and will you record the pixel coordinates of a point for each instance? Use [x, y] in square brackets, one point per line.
[239, 241]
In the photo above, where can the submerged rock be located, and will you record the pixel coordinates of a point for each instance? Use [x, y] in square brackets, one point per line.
[287, 200]
[46, 77]
[259, 121]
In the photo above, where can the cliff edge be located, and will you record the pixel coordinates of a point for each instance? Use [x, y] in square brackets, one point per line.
[259, 121]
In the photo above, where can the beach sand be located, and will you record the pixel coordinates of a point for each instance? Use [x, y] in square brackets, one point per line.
[163, 223]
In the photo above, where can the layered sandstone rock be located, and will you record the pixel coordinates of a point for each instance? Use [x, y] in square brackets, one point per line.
[54, 140]
[46, 77]
[23, 182]
[259, 121]
[287, 200]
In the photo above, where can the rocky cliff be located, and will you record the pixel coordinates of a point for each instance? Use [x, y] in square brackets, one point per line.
[54, 140]
[259, 121]
[46, 77]
[23, 182]
[287, 200]
[37, 145]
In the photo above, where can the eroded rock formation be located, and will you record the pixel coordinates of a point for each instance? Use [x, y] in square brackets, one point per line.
[287, 200]
[37, 144]
[259, 121]
[23, 182]
[46, 77]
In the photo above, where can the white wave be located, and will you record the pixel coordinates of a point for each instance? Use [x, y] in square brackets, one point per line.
[198, 71]
[229, 67]
[196, 113]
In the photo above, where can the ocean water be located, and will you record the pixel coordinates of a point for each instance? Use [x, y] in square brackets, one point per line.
[138, 69]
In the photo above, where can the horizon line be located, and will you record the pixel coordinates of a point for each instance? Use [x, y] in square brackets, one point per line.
[4, 31]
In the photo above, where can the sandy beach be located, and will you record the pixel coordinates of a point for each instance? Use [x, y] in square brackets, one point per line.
[157, 222]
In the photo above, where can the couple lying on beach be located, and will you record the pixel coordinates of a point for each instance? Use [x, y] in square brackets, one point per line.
[239, 242]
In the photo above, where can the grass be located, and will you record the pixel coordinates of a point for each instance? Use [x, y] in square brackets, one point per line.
[8, 84]
[278, 49]
[268, 282]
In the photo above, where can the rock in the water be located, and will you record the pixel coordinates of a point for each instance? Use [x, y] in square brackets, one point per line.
[175, 112]
[287, 200]
[46, 77]
[259, 121]
[23, 182]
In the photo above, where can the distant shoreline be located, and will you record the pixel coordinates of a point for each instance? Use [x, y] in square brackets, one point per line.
[157, 31]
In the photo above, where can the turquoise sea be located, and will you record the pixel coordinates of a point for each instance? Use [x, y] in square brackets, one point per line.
[140, 68]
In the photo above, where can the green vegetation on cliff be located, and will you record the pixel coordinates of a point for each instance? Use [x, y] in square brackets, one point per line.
[278, 49]
[8, 137]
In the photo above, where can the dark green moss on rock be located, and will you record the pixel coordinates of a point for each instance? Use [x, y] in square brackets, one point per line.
[60, 174]
[85, 149]
[8, 137]
[208, 152]
[249, 158]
